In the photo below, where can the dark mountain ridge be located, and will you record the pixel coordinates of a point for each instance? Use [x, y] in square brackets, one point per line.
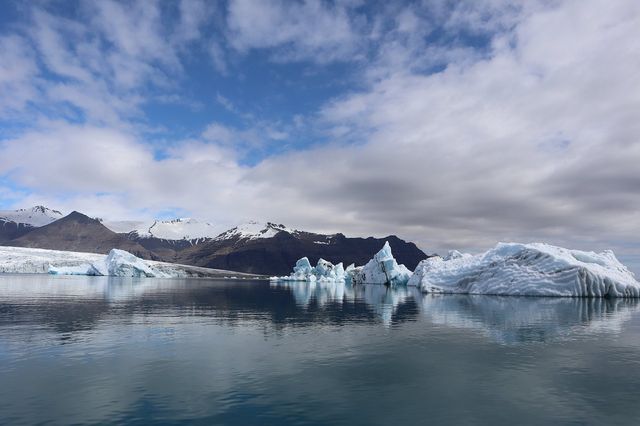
[78, 232]
[270, 251]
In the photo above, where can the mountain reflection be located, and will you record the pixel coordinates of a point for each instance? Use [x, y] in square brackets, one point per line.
[72, 304]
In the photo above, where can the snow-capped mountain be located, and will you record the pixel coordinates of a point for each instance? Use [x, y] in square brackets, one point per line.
[254, 247]
[253, 230]
[35, 216]
[175, 229]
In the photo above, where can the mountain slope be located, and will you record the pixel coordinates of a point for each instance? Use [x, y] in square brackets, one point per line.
[253, 247]
[10, 230]
[77, 232]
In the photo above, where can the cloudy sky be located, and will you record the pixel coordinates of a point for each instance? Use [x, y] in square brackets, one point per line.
[454, 124]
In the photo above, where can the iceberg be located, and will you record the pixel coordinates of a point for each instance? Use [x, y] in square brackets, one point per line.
[383, 269]
[324, 271]
[536, 269]
[82, 269]
[118, 263]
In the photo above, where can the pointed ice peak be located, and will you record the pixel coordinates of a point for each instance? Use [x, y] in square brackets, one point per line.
[384, 253]
[383, 269]
[34, 216]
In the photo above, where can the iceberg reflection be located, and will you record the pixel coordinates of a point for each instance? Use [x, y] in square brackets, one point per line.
[513, 320]
[79, 303]
[507, 320]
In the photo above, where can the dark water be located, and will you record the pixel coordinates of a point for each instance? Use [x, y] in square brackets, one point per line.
[77, 350]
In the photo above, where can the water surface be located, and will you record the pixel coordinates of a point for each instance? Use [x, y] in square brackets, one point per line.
[95, 350]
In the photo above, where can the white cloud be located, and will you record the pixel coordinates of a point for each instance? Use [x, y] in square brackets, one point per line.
[18, 70]
[113, 167]
[105, 62]
[308, 30]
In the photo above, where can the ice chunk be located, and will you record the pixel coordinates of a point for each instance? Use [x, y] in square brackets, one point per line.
[120, 263]
[528, 270]
[383, 269]
[323, 271]
[303, 267]
[82, 269]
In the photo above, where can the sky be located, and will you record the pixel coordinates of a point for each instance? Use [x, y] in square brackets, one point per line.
[453, 124]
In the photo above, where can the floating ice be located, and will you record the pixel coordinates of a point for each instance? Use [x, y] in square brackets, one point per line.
[82, 269]
[324, 271]
[383, 269]
[528, 270]
[120, 263]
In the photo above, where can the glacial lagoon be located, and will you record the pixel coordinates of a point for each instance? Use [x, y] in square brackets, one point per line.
[96, 350]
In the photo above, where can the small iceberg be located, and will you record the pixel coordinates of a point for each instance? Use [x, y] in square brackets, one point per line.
[324, 271]
[382, 269]
[537, 269]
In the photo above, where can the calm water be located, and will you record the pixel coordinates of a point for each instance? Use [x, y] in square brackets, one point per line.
[100, 350]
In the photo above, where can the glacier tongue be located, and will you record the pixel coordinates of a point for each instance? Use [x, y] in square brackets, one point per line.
[528, 270]
[118, 263]
[383, 269]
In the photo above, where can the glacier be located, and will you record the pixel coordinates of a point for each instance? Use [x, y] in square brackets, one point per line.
[383, 269]
[118, 263]
[537, 269]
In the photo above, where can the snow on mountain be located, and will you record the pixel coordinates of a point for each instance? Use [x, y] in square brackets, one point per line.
[192, 229]
[254, 230]
[180, 229]
[175, 229]
[35, 216]
[125, 226]
[528, 270]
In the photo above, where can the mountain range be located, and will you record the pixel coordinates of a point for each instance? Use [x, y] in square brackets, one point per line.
[261, 248]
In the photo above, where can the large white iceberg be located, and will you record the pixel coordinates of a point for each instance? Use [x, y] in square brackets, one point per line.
[383, 269]
[528, 270]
